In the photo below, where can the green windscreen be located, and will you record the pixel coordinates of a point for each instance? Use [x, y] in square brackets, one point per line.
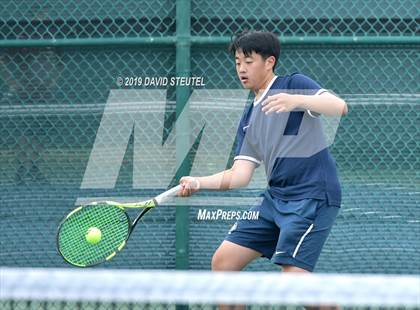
[59, 67]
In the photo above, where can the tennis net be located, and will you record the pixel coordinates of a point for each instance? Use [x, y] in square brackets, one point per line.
[99, 289]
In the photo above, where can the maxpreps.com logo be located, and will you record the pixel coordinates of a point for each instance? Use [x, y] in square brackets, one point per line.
[161, 139]
[224, 215]
[164, 141]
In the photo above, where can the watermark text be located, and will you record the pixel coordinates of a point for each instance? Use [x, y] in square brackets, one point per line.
[225, 215]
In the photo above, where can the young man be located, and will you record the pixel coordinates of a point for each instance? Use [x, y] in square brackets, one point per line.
[281, 129]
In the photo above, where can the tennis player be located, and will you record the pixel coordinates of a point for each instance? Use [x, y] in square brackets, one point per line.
[282, 130]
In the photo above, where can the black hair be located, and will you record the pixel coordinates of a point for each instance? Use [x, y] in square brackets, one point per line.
[264, 43]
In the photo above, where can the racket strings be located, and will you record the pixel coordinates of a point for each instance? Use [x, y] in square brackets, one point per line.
[111, 220]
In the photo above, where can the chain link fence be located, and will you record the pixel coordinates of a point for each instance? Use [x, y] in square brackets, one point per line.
[53, 98]
[112, 19]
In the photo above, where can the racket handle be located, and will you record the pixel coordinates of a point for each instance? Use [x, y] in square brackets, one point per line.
[167, 195]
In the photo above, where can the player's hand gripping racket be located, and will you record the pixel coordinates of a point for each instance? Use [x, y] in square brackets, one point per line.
[94, 233]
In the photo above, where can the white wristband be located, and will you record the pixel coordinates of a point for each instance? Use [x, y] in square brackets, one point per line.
[197, 183]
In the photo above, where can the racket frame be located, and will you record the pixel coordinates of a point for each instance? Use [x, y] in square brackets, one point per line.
[146, 205]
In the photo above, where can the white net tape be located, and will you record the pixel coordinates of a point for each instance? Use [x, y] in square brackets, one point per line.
[202, 287]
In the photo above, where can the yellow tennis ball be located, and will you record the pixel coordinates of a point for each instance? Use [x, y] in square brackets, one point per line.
[93, 235]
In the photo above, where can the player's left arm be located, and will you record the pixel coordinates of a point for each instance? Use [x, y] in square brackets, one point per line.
[325, 103]
[306, 94]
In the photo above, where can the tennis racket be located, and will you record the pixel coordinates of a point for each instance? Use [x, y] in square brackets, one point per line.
[96, 232]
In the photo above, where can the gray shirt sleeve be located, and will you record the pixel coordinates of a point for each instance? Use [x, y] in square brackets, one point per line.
[248, 151]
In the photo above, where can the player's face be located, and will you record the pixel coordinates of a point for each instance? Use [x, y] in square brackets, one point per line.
[252, 70]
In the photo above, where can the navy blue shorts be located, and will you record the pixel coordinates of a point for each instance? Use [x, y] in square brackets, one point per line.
[287, 232]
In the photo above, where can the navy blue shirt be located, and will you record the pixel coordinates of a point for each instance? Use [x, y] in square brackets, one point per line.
[291, 145]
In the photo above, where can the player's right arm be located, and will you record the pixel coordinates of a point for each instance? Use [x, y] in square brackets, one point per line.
[238, 176]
